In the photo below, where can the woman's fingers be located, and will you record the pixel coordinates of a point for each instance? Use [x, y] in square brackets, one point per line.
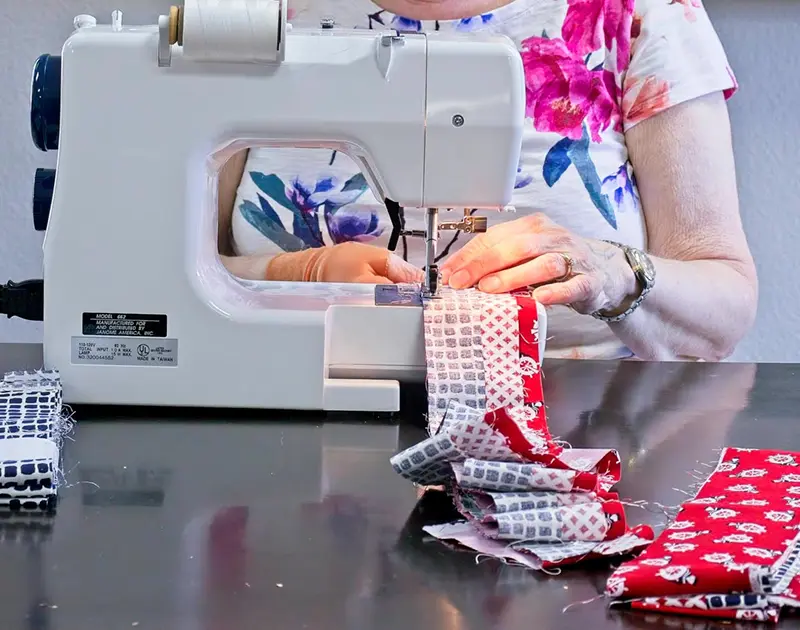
[476, 247]
[376, 279]
[513, 251]
[545, 268]
[580, 289]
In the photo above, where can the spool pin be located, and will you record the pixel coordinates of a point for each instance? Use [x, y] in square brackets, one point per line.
[176, 25]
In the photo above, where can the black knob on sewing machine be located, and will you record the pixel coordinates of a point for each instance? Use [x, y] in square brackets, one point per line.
[46, 102]
[43, 183]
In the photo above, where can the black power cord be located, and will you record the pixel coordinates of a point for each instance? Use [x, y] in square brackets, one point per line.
[23, 299]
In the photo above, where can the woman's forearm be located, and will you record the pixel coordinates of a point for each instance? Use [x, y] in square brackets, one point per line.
[302, 266]
[247, 267]
[697, 310]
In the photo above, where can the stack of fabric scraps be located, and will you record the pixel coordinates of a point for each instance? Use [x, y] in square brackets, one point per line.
[524, 498]
[732, 552]
[32, 430]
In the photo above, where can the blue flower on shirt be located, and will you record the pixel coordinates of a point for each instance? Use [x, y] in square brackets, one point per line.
[620, 188]
[346, 224]
[303, 198]
[406, 24]
[472, 23]
[523, 179]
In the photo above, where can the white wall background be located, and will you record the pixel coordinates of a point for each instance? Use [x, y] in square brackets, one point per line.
[760, 37]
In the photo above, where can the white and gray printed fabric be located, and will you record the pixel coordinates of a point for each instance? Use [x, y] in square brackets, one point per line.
[472, 351]
[527, 499]
[32, 429]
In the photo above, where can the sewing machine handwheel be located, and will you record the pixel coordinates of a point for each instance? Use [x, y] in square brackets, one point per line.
[46, 102]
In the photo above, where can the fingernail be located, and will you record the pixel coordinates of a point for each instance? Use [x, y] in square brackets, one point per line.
[459, 279]
[445, 275]
[489, 284]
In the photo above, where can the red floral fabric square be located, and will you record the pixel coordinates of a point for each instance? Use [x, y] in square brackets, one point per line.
[732, 552]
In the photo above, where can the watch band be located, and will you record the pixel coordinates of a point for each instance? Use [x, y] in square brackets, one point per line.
[645, 278]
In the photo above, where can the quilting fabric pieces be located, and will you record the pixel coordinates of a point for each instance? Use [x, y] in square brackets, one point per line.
[540, 556]
[732, 552]
[543, 517]
[31, 434]
[525, 498]
[482, 351]
[454, 353]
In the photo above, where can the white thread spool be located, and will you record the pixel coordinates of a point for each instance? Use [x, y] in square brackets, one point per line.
[233, 30]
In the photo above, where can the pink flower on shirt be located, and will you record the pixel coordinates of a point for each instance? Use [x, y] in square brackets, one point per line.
[644, 98]
[562, 93]
[593, 24]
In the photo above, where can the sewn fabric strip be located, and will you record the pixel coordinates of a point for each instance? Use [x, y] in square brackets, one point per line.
[588, 522]
[530, 352]
[453, 353]
[500, 342]
[738, 536]
[482, 351]
[486, 503]
[512, 477]
[526, 499]
[747, 607]
[541, 555]
[427, 463]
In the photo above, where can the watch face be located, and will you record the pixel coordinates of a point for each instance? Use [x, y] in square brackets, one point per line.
[644, 266]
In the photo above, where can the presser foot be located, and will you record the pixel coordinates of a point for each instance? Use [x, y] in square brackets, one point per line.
[430, 287]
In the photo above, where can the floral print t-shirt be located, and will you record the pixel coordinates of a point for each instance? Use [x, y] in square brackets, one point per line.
[594, 69]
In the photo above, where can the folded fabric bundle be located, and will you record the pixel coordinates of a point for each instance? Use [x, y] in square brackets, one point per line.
[552, 509]
[524, 497]
[31, 435]
[732, 552]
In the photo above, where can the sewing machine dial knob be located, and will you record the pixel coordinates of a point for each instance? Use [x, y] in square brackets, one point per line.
[46, 102]
[43, 184]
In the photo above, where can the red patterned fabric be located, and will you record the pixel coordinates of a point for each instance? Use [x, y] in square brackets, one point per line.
[530, 361]
[733, 551]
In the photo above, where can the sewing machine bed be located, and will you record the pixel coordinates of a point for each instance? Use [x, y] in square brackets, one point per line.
[186, 519]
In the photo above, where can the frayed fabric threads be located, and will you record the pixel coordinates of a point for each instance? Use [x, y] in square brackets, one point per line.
[33, 427]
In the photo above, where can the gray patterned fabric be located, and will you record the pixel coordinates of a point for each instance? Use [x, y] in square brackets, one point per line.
[511, 477]
[534, 525]
[426, 463]
[454, 354]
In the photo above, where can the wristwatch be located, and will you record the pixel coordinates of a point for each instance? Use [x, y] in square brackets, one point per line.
[645, 273]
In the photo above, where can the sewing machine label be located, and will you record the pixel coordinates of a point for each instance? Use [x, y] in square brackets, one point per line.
[125, 351]
[124, 325]
[397, 295]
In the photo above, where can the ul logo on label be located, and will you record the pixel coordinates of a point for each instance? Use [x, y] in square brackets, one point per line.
[143, 350]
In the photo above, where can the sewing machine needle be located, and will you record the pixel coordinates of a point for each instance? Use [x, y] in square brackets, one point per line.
[431, 242]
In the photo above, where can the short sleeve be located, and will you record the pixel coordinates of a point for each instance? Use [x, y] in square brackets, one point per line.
[676, 56]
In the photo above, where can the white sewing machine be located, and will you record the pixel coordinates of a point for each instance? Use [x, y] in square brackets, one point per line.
[138, 308]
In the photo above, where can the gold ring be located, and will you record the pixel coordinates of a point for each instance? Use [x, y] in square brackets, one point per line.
[568, 263]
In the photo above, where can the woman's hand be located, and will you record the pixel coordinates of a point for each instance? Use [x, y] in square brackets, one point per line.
[533, 251]
[347, 262]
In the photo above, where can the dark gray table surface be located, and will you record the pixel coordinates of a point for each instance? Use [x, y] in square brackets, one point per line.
[210, 520]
